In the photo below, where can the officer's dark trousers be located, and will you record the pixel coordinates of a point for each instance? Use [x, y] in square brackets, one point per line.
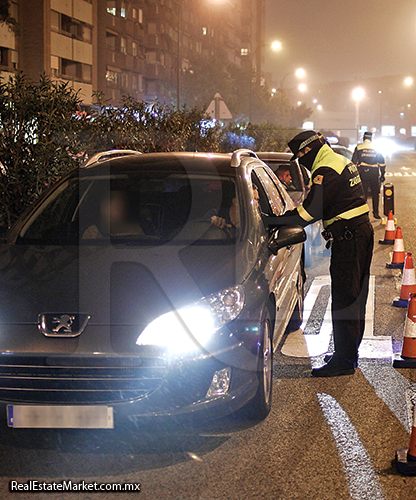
[370, 179]
[350, 273]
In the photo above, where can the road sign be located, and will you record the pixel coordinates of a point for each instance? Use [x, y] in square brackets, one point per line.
[218, 109]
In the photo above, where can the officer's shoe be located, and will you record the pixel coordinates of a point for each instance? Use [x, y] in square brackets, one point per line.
[328, 357]
[376, 215]
[334, 368]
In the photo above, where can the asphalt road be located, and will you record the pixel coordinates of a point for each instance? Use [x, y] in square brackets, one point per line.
[324, 439]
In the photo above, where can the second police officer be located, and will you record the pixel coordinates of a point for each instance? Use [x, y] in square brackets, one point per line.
[337, 197]
[372, 169]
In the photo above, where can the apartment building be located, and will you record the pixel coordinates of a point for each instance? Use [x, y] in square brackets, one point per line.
[128, 47]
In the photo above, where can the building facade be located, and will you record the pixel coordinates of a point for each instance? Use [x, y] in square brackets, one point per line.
[128, 47]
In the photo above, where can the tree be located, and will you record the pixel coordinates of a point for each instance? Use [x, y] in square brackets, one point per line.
[38, 140]
[5, 17]
[44, 134]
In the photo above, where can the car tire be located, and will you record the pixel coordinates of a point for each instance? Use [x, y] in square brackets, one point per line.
[259, 407]
[297, 315]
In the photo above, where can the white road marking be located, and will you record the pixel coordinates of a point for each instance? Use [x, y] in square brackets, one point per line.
[363, 482]
[304, 346]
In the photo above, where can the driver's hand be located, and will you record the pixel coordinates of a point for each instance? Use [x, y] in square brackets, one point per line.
[219, 222]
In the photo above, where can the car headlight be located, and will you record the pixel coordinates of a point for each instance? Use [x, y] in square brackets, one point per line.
[191, 327]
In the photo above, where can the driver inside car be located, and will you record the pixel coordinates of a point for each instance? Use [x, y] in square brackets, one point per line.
[115, 218]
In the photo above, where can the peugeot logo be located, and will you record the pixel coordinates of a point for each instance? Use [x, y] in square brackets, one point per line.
[62, 324]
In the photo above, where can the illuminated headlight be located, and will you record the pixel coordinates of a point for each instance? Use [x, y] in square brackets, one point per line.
[191, 327]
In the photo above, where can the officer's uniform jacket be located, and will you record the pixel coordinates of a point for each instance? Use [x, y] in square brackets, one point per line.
[336, 192]
[366, 156]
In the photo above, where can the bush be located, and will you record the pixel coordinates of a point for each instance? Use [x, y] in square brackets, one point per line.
[38, 140]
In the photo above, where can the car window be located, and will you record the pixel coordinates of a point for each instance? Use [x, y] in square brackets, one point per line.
[143, 207]
[272, 202]
[288, 173]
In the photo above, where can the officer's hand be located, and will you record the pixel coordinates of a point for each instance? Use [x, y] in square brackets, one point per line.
[382, 178]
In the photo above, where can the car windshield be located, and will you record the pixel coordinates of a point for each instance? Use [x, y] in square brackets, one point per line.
[137, 208]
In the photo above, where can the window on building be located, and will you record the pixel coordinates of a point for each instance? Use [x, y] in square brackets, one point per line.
[244, 52]
[204, 31]
[151, 27]
[134, 13]
[111, 7]
[123, 9]
[86, 33]
[135, 49]
[55, 20]
[140, 83]
[124, 80]
[112, 77]
[135, 83]
[123, 45]
[111, 41]
[4, 56]
[70, 68]
[140, 18]
[87, 73]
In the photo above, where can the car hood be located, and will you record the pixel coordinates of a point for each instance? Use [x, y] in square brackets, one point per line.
[112, 284]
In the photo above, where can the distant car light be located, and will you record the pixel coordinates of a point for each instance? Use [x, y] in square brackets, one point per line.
[190, 328]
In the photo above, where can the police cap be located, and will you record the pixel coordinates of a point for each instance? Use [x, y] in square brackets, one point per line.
[368, 135]
[306, 138]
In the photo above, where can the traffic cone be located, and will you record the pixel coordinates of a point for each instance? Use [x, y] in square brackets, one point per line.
[408, 282]
[406, 457]
[397, 260]
[407, 359]
[389, 233]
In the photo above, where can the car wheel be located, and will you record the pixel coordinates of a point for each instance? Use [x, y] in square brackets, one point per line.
[297, 315]
[259, 407]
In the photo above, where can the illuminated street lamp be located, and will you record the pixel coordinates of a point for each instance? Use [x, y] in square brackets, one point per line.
[179, 68]
[358, 95]
[302, 87]
[275, 46]
[408, 81]
[300, 73]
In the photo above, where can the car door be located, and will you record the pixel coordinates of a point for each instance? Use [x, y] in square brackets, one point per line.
[282, 270]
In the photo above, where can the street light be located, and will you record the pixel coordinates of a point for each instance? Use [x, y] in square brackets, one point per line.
[276, 46]
[358, 95]
[300, 73]
[179, 68]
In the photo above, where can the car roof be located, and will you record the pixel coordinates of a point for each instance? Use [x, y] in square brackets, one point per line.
[274, 155]
[170, 161]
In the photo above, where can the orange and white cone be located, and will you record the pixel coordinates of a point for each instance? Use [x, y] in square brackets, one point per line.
[407, 359]
[408, 282]
[406, 457]
[389, 234]
[397, 260]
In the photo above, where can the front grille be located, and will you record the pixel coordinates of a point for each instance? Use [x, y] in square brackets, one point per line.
[78, 380]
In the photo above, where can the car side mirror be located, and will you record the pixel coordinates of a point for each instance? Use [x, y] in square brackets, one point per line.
[285, 236]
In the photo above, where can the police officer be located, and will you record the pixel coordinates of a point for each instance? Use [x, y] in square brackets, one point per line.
[370, 163]
[337, 197]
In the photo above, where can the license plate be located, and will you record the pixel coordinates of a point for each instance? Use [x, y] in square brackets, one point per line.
[60, 417]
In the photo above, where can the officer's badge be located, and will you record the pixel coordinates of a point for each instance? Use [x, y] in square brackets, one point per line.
[318, 179]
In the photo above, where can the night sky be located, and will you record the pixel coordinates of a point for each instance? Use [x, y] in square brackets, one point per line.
[335, 40]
